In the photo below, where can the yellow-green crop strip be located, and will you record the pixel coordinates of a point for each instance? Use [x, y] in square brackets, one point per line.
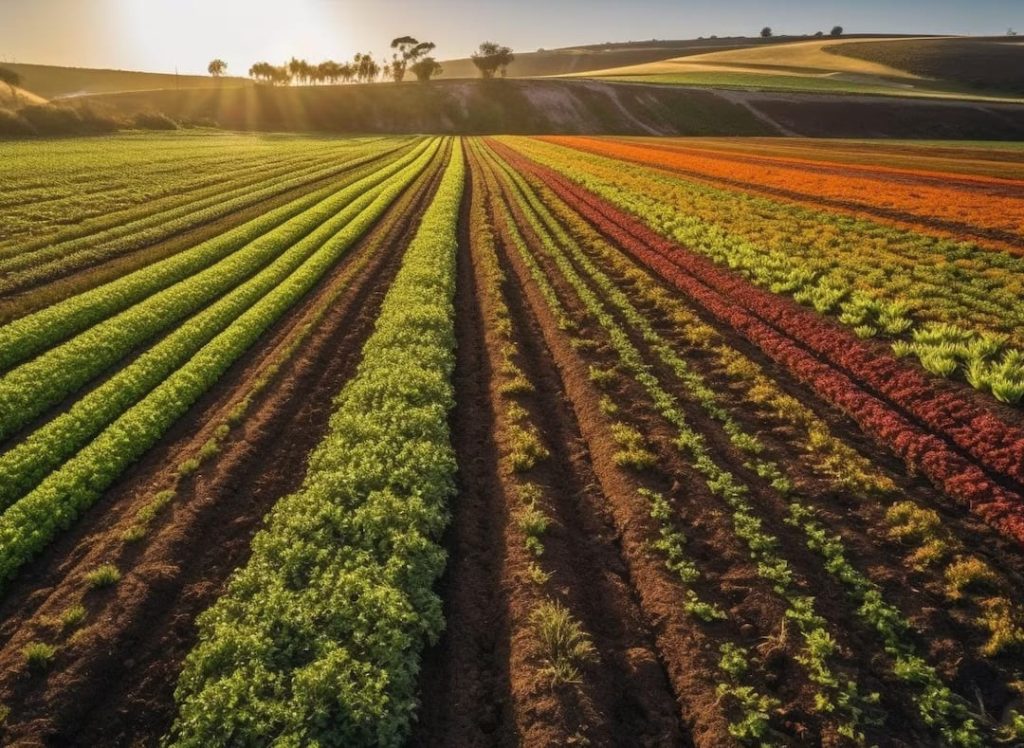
[317, 640]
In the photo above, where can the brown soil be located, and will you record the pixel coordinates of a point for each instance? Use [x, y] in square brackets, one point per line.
[112, 683]
[623, 700]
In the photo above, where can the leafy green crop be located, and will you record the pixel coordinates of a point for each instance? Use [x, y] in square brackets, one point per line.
[317, 639]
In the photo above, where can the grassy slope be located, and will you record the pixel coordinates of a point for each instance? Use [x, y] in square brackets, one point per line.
[511, 106]
[879, 66]
[569, 105]
[569, 60]
[982, 64]
[7, 99]
[50, 81]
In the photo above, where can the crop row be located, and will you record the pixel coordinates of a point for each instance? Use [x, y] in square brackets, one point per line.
[753, 718]
[970, 205]
[30, 523]
[31, 388]
[743, 307]
[122, 185]
[29, 268]
[24, 465]
[877, 280]
[329, 615]
[132, 196]
[233, 414]
[937, 706]
[30, 335]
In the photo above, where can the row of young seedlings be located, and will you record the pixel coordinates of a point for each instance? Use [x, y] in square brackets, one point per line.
[968, 578]
[561, 646]
[938, 707]
[819, 645]
[54, 376]
[140, 410]
[30, 267]
[317, 639]
[1000, 619]
[67, 625]
[754, 708]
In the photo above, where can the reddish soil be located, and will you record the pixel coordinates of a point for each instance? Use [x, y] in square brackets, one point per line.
[112, 683]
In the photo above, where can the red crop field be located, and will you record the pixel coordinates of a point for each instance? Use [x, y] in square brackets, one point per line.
[472, 441]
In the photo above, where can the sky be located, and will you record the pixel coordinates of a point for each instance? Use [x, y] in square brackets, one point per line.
[165, 35]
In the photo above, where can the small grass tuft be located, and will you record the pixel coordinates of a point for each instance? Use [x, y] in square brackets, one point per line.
[72, 617]
[103, 576]
[38, 654]
[564, 645]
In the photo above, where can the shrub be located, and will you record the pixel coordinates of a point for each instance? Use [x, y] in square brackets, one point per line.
[53, 120]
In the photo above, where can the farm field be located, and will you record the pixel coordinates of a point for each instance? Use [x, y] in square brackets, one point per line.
[510, 440]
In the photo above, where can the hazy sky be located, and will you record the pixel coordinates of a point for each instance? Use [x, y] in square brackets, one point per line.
[160, 35]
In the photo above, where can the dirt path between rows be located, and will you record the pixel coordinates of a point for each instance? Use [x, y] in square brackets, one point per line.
[113, 683]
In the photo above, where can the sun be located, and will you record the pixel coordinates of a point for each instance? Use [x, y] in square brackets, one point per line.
[186, 34]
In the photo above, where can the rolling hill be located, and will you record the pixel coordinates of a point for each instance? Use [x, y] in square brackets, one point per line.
[581, 59]
[55, 82]
[917, 66]
[569, 105]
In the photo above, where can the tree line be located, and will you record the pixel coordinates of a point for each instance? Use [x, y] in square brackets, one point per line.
[409, 56]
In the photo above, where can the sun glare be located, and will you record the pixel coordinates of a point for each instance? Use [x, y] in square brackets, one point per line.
[184, 34]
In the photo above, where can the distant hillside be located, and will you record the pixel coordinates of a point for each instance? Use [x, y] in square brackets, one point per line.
[51, 81]
[995, 64]
[568, 60]
[920, 66]
[569, 105]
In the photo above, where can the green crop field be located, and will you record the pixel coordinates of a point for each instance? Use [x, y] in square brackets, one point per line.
[318, 440]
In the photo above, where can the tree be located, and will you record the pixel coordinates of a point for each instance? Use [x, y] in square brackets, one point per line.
[819, 34]
[216, 68]
[262, 72]
[492, 58]
[409, 50]
[426, 69]
[329, 70]
[1011, 32]
[766, 32]
[836, 31]
[366, 68]
[13, 80]
[300, 70]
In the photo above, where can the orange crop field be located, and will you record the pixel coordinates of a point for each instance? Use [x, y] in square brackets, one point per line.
[989, 210]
